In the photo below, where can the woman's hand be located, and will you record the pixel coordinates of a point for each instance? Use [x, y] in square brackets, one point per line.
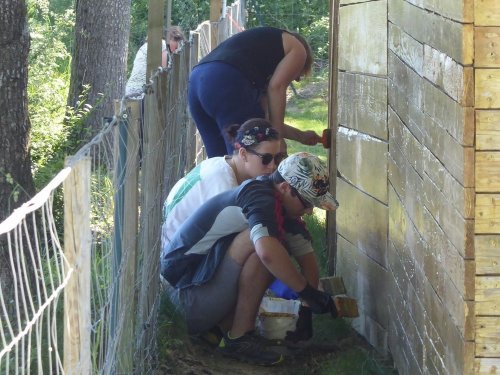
[310, 138]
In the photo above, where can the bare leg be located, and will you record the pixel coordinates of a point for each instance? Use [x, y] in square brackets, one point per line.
[253, 282]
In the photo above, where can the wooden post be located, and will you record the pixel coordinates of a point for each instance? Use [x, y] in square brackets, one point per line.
[215, 13]
[153, 162]
[129, 186]
[155, 35]
[331, 233]
[168, 16]
[77, 250]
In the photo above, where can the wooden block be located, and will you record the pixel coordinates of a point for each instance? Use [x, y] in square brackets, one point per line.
[357, 53]
[347, 307]
[454, 39]
[487, 336]
[487, 130]
[487, 214]
[487, 295]
[487, 88]
[333, 285]
[486, 366]
[487, 171]
[454, 79]
[487, 48]
[487, 254]
[487, 13]
[362, 160]
[363, 103]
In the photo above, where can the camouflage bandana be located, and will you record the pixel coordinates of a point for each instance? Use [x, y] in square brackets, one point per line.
[309, 176]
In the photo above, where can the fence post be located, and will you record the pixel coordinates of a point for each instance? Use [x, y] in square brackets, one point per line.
[126, 156]
[153, 164]
[77, 250]
[215, 13]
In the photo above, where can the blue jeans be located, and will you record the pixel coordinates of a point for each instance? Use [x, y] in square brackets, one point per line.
[219, 95]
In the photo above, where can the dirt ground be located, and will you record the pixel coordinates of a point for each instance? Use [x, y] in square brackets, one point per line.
[333, 342]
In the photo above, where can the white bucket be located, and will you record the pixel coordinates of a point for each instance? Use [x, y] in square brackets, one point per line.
[276, 317]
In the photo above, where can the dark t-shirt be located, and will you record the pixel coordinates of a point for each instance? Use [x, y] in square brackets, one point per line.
[200, 243]
[255, 52]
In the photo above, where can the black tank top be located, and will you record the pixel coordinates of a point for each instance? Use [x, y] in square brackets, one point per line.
[255, 52]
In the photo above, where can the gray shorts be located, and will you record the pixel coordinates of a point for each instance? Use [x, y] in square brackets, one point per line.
[206, 305]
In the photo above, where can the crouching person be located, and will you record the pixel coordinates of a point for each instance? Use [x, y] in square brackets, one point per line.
[223, 258]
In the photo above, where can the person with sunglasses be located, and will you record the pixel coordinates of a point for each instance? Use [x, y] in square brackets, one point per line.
[221, 261]
[256, 153]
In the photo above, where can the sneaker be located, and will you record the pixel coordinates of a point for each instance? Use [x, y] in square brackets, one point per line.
[248, 349]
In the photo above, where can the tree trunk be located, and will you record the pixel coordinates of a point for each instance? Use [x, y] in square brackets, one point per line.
[16, 181]
[99, 59]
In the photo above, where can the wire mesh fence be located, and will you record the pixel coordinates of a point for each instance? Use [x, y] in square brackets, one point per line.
[84, 298]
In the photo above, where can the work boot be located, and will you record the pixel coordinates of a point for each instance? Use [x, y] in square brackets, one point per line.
[303, 333]
[248, 348]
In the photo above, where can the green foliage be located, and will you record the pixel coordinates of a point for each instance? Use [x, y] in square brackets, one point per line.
[48, 82]
[307, 17]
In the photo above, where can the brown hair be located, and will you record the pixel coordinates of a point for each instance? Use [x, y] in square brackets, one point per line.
[309, 56]
[174, 33]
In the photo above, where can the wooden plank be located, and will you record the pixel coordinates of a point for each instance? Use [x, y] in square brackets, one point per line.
[406, 48]
[456, 80]
[155, 35]
[450, 115]
[486, 366]
[77, 251]
[458, 10]
[406, 181]
[453, 38]
[487, 214]
[363, 103]
[363, 222]
[357, 53]
[487, 336]
[487, 47]
[487, 254]
[373, 332]
[362, 160]
[487, 88]
[461, 198]
[487, 295]
[459, 231]
[487, 13]
[487, 130]
[458, 160]
[487, 171]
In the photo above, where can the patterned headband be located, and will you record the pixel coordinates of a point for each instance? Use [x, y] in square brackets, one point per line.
[254, 136]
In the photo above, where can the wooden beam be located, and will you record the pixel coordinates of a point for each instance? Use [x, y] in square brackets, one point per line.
[155, 35]
[487, 214]
[215, 14]
[488, 130]
[77, 250]
[487, 254]
[487, 88]
[487, 336]
[331, 217]
[487, 47]
[487, 13]
[487, 295]
[487, 171]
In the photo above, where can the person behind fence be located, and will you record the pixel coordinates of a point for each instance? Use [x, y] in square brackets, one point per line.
[245, 76]
[173, 40]
[223, 258]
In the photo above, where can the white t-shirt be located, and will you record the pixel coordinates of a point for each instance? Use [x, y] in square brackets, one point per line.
[209, 178]
[137, 77]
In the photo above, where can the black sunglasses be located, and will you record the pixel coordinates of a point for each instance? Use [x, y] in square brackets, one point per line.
[305, 203]
[267, 157]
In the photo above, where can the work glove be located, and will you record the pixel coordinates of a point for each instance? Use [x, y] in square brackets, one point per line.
[319, 302]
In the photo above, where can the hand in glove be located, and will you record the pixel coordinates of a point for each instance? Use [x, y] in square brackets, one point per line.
[319, 302]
